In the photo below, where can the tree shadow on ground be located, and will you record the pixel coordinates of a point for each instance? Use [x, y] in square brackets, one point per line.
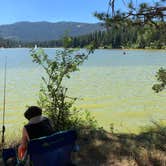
[100, 148]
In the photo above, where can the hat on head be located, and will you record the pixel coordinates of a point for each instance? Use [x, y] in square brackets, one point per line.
[32, 111]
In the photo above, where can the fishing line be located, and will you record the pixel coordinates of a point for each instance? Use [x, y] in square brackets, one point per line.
[4, 104]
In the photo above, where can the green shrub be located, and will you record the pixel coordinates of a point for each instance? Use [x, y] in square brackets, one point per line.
[53, 97]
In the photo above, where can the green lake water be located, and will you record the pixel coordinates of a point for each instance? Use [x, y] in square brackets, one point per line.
[116, 88]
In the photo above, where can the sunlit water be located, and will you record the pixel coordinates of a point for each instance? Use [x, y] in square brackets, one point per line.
[116, 88]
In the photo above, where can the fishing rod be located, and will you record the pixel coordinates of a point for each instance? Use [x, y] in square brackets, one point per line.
[4, 104]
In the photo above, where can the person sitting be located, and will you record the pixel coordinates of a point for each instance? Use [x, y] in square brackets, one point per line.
[38, 126]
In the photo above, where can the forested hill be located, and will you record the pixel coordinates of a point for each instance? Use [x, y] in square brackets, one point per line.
[44, 31]
[122, 37]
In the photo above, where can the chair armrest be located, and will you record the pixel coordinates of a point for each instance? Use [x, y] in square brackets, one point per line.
[76, 148]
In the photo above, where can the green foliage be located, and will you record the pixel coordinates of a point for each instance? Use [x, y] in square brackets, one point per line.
[53, 96]
[136, 15]
[161, 78]
[112, 128]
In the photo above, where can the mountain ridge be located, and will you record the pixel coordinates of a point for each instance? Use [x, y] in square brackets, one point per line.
[43, 30]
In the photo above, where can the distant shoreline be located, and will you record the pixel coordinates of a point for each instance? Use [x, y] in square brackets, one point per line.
[131, 49]
[125, 49]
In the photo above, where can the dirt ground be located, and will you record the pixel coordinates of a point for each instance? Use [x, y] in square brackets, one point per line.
[100, 148]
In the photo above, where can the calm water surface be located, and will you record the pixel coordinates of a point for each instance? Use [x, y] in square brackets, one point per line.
[116, 88]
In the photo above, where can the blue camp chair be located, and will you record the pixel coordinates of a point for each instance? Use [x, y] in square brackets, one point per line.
[9, 153]
[53, 150]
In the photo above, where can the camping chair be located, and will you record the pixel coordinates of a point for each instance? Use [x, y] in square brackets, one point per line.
[53, 150]
[9, 153]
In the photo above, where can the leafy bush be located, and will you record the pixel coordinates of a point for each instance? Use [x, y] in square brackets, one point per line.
[53, 96]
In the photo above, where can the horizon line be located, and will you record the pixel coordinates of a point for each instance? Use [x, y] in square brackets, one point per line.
[47, 22]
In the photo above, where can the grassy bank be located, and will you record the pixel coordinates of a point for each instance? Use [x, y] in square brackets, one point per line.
[101, 148]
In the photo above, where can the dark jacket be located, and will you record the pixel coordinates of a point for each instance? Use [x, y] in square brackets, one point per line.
[39, 129]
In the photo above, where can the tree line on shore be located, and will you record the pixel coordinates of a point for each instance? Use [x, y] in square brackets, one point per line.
[124, 36]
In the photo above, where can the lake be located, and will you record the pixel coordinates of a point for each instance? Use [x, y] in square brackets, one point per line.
[116, 88]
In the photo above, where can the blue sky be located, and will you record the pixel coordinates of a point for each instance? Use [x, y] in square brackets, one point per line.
[52, 10]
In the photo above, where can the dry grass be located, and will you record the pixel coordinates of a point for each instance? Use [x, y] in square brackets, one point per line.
[100, 148]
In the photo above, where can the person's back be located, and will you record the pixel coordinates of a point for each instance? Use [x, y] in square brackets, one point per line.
[39, 129]
[38, 126]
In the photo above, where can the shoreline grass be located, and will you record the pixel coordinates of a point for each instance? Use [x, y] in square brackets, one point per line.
[103, 148]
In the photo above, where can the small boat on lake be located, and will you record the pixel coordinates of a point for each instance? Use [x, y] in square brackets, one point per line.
[35, 46]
